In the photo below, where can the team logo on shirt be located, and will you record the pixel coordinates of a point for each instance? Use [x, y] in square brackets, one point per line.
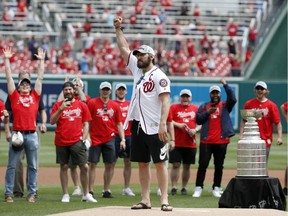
[72, 114]
[26, 101]
[148, 86]
[163, 83]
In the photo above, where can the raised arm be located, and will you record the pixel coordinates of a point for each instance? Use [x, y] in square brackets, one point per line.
[7, 52]
[41, 58]
[121, 41]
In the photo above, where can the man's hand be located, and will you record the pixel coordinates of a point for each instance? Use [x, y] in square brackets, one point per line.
[7, 52]
[43, 128]
[279, 141]
[223, 81]
[66, 103]
[41, 54]
[117, 22]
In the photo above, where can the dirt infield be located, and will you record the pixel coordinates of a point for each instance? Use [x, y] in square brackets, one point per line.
[120, 210]
[50, 176]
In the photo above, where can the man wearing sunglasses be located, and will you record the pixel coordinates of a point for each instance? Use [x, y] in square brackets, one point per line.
[106, 115]
[270, 116]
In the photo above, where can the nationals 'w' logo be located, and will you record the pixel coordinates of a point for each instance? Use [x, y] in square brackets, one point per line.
[149, 85]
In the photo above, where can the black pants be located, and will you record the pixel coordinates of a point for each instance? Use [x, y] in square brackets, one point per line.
[206, 151]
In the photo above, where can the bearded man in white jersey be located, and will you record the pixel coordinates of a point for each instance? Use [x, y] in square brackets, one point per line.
[148, 111]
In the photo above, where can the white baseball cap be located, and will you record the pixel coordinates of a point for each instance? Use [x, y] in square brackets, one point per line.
[17, 139]
[185, 91]
[214, 88]
[119, 85]
[262, 84]
[105, 85]
[144, 49]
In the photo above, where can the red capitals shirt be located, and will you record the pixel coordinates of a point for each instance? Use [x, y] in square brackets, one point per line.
[124, 111]
[270, 115]
[70, 123]
[104, 120]
[186, 115]
[25, 108]
[2, 107]
[215, 130]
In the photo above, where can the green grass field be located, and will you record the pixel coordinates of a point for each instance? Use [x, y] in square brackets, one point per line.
[50, 196]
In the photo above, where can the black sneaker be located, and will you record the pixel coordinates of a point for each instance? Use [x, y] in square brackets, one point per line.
[107, 194]
[173, 191]
[183, 191]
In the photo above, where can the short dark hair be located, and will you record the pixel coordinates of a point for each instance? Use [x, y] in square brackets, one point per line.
[68, 84]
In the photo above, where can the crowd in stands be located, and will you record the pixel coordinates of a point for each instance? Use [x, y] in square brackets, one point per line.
[207, 56]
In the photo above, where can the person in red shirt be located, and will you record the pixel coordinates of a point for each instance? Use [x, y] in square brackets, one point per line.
[24, 103]
[284, 111]
[232, 29]
[79, 95]
[106, 116]
[71, 115]
[121, 92]
[270, 116]
[183, 116]
[217, 128]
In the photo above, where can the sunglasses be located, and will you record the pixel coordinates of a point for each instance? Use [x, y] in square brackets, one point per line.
[105, 109]
[259, 88]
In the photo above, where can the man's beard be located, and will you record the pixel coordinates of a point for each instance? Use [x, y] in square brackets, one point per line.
[144, 64]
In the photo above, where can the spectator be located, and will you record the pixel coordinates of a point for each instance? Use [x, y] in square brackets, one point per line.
[149, 132]
[41, 118]
[215, 135]
[232, 29]
[232, 46]
[106, 115]
[284, 111]
[183, 116]
[184, 10]
[71, 115]
[252, 36]
[25, 114]
[196, 12]
[121, 92]
[270, 116]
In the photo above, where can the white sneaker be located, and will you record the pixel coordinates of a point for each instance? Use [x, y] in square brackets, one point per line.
[77, 191]
[88, 198]
[159, 192]
[65, 198]
[197, 192]
[127, 192]
[217, 192]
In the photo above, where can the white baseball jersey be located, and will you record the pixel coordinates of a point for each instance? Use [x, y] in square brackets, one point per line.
[145, 105]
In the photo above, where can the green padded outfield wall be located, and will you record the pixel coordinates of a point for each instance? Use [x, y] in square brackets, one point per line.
[273, 63]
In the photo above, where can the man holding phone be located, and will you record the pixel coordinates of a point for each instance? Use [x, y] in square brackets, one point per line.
[215, 135]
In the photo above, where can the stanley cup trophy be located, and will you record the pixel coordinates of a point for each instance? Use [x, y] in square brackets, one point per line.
[252, 188]
[251, 155]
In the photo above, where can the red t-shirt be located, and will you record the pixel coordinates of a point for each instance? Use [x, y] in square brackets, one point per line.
[25, 108]
[285, 106]
[124, 111]
[104, 119]
[70, 122]
[186, 115]
[215, 129]
[270, 115]
[2, 107]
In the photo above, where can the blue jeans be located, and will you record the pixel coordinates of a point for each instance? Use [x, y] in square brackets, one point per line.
[30, 147]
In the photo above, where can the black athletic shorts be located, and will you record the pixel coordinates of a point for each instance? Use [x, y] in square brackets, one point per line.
[144, 146]
[183, 155]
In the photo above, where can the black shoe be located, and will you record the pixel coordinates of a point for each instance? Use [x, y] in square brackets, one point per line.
[107, 194]
[183, 191]
[18, 195]
[173, 191]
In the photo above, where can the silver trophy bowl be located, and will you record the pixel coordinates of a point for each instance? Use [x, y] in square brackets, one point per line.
[249, 113]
